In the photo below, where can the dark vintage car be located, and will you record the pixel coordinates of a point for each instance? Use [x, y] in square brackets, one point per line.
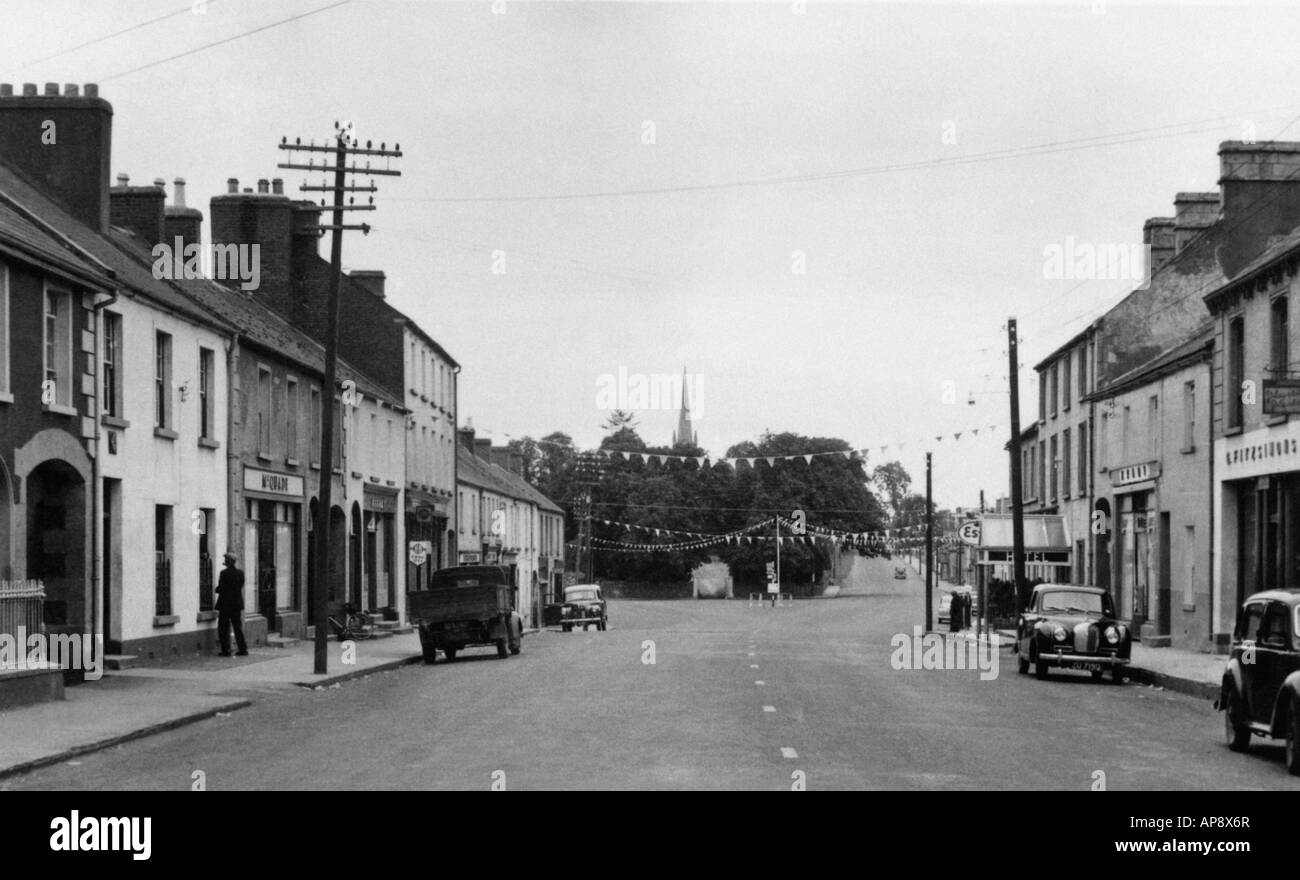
[1261, 683]
[1072, 627]
[584, 605]
[900, 573]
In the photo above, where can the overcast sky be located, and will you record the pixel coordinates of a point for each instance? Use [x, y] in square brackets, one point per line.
[916, 216]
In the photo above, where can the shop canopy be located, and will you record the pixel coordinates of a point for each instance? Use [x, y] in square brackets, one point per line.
[1047, 539]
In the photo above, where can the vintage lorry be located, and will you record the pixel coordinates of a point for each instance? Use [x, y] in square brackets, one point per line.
[466, 606]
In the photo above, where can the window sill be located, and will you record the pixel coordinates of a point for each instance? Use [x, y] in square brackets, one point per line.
[205, 616]
[60, 409]
[165, 433]
[166, 620]
[1229, 432]
[6, 397]
[1275, 420]
[114, 422]
[1187, 450]
[262, 456]
[315, 465]
[292, 462]
[1189, 608]
[372, 479]
[209, 443]
[356, 475]
[338, 472]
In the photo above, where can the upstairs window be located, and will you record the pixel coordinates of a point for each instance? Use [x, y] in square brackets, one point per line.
[4, 329]
[162, 380]
[1236, 370]
[206, 361]
[58, 345]
[1280, 343]
[112, 366]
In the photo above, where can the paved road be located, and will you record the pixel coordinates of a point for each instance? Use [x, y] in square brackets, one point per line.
[736, 698]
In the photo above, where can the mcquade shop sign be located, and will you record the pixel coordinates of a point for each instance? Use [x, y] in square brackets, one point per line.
[1261, 451]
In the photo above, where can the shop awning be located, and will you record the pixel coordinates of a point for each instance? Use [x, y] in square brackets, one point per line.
[1047, 539]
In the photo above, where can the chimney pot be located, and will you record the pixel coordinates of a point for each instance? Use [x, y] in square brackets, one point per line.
[123, 180]
[232, 185]
[263, 186]
[179, 189]
[160, 183]
[277, 186]
[92, 90]
[6, 90]
[29, 90]
[71, 90]
[52, 90]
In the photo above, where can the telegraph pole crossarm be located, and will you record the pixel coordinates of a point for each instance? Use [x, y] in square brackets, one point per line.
[342, 147]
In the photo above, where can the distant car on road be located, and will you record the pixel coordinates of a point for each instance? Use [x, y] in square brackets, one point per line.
[900, 573]
[584, 604]
[1261, 683]
[1072, 627]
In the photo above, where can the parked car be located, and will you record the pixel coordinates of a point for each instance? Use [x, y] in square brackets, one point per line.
[1261, 683]
[584, 605]
[1072, 627]
[900, 573]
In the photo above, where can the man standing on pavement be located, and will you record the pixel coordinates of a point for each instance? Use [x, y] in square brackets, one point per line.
[230, 606]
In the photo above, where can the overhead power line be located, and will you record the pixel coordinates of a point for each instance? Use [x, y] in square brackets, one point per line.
[239, 36]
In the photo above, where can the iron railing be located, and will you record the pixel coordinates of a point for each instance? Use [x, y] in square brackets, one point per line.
[21, 606]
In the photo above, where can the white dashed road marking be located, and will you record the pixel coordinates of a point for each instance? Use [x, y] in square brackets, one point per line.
[787, 752]
[760, 682]
[753, 666]
[769, 708]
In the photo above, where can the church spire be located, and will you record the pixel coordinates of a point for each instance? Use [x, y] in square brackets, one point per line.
[685, 432]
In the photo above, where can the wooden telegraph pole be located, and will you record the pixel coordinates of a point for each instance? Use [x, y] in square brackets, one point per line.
[344, 145]
[1017, 506]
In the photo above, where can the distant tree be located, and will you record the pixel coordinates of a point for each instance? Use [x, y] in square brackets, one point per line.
[893, 481]
[619, 419]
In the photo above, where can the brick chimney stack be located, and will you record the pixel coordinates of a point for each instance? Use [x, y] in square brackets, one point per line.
[63, 143]
[180, 221]
[1158, 235]
[264, 219]
[1193, 211]
[371, 279]
[1260, 183]
[139, 209]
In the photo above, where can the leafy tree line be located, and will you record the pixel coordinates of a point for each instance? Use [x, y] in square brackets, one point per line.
[834, 492]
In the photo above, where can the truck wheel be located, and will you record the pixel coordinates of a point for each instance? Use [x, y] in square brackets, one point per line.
[451, 653]
[517, 646]
[1040, 668]
[502, 649]
[567, 627]
[430, 655]
[600, 627]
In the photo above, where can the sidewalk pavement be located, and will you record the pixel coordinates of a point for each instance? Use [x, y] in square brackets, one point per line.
[145, 699]
[1188, 672]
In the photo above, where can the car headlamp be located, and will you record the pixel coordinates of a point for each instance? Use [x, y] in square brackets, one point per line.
[1059, 633]
[1112, 634]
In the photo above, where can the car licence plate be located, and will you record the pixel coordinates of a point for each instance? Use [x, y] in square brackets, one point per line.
[1090, 667]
